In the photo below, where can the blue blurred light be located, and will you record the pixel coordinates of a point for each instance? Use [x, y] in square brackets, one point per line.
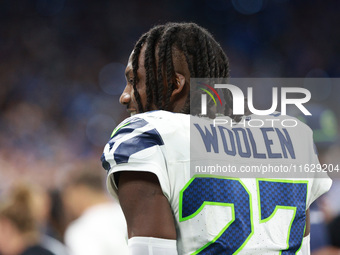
[247, 7]
[112, 78]
[218, 5]
[49, 7]
[80, 106]
[281, 1]
[99, 128]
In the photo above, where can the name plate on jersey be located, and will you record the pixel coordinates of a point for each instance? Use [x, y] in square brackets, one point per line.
[263, 127]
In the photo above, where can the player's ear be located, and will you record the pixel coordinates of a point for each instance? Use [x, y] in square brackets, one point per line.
[179, 85]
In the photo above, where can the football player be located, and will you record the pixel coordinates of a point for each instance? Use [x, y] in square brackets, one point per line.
[168, 209]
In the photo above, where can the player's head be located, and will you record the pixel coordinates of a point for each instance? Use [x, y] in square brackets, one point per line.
[163, 61]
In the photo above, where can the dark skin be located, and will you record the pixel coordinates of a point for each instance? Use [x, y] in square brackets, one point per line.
[146, 209]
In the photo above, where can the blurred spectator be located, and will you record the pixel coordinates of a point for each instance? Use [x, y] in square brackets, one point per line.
[42, 210]
[57, 221]
[19, 234]
[99, 225]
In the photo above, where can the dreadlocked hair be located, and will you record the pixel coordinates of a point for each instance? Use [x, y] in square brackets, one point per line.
[163, 43]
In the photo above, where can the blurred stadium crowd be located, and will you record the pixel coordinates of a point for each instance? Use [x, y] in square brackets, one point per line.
[62, 67]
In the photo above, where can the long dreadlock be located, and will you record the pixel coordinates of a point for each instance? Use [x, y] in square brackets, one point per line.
[204, 56]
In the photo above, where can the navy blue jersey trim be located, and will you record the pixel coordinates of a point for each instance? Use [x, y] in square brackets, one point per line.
[135, 144]
[105, 164]
[127, 129]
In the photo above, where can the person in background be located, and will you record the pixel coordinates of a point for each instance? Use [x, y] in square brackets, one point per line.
[19, 232]
[42, 206]
[57, 221]
[97, 223]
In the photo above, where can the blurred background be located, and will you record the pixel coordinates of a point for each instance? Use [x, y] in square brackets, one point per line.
[62, 67]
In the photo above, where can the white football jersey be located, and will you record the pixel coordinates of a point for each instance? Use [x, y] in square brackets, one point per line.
[233, 189]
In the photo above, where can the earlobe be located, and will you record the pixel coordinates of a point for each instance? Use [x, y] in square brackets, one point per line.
[179, 84]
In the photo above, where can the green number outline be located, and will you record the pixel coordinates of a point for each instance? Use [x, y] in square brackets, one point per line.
[181, 219]
[277, 207]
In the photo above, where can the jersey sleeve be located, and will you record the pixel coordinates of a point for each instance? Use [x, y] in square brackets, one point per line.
[321, 182]
[135, 145]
